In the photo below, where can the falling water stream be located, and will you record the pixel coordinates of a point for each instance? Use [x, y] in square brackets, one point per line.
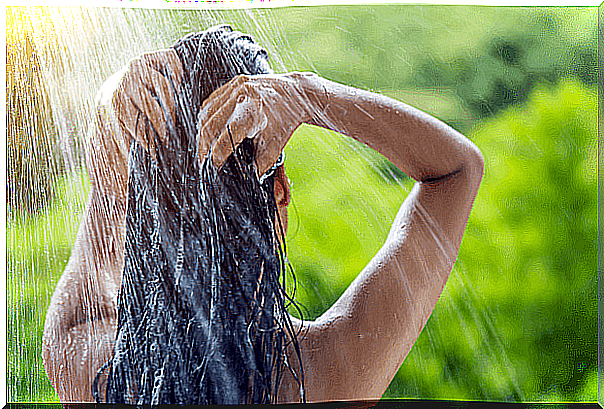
[59, 57]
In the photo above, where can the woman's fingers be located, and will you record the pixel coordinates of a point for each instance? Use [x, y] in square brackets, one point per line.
[147, 92]
[165, 62]
[268, 143]
[134, 103]
[221, 96]
[229, 126]
[266, 108]
[217, 109]
[272, 148]
[158, 100]
[251, 119]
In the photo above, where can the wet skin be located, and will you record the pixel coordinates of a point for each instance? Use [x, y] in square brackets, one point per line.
[353, 350]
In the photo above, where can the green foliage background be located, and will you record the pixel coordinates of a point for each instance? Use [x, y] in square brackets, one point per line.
[517, 320]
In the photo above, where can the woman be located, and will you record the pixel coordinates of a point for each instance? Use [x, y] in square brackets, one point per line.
[352, 351]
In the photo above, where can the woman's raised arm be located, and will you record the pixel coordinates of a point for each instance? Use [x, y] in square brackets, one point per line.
[366, 335]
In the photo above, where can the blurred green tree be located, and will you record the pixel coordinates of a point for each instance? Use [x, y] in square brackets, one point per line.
[490, 56]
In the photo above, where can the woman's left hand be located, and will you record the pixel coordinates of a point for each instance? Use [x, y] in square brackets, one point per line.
[266, 108]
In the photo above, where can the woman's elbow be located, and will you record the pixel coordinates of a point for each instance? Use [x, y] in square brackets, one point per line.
[474, 164]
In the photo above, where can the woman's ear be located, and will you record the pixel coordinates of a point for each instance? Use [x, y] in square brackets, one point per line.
[282, 194]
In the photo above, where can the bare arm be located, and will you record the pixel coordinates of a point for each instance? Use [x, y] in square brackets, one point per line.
[369, 331]
[81, 319]
[354, 350]
[80, 326]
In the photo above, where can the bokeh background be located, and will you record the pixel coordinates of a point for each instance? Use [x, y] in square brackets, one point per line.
[518, 318]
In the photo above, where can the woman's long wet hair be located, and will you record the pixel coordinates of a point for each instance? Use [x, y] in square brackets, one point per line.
[202, 308]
